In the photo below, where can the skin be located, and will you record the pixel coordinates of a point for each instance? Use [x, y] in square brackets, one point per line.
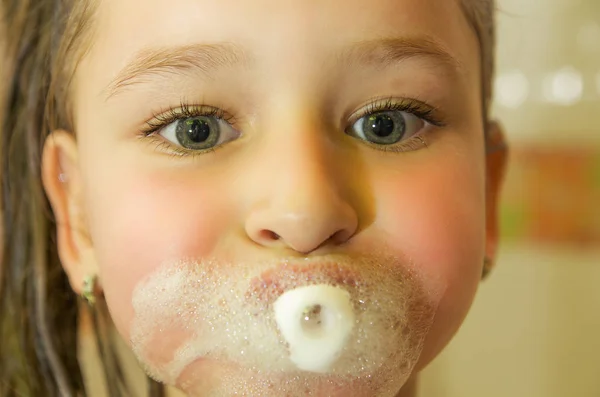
[294, 183]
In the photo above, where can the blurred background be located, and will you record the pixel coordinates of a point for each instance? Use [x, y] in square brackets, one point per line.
[534, 329]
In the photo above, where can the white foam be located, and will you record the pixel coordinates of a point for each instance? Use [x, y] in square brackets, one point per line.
[316, 322]
[195, 316]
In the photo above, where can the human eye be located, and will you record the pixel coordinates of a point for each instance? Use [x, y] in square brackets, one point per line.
[394, 124]
[192, 129]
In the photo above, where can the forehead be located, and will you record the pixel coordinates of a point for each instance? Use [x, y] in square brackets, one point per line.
[299, 32]
[282, 15]
[270, 24]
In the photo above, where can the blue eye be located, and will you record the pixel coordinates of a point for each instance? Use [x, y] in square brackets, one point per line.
[386, 127]
[199, 132]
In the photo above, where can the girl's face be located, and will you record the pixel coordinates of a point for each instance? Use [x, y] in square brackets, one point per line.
[262, 131]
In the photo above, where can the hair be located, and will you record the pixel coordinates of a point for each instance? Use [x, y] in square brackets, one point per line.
[41, 43]
[481, 16]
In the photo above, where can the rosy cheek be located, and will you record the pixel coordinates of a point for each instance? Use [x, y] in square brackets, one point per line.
[153, 219]
[436, 217]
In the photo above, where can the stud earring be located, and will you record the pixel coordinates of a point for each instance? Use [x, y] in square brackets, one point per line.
[62, 177]
[89, 289]
[487, 267]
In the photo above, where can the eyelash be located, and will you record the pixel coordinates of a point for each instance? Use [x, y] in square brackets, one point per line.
[185, 111]
[420, 109]
[416, 107]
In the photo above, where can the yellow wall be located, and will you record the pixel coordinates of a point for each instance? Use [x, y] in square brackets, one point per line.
[534, 329]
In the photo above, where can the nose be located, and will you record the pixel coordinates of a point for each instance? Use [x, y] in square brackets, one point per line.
[300, 202]
[302, 222]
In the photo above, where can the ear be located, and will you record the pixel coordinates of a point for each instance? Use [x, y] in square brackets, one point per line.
[496, 162]
[63, 185]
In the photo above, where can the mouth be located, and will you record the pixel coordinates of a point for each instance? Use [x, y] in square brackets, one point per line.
[272, 283]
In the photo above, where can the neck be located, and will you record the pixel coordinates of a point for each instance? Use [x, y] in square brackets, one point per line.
[409, 389]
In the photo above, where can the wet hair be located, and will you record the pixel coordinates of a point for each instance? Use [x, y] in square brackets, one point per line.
[41, 43]
[481, 16]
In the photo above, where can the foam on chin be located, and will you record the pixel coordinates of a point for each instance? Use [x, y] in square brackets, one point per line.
[211, 329]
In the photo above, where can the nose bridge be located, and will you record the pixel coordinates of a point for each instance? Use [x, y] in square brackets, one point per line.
[302, 205]
[305, 166]
[299, 150]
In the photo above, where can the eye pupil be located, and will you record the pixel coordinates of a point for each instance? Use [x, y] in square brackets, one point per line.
[198, 133]
[198, 130]
[382, 125]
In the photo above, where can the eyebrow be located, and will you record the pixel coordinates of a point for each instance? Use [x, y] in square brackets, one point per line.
[204, 58]
[385, 52]
[207, 58]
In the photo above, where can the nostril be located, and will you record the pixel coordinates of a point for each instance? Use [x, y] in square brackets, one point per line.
[269, 235]
[338, 237]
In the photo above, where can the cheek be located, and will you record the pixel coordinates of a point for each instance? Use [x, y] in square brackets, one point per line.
[435, 215]
[150, 219]
[438, 221]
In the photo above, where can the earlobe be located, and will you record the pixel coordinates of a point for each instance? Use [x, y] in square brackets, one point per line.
[62, 182]
[496, 162]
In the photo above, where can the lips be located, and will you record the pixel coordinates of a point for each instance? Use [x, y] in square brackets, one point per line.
[272, 283]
